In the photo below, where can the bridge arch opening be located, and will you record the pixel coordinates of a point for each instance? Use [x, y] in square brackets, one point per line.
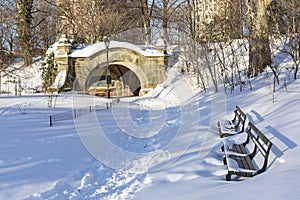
[125, 82]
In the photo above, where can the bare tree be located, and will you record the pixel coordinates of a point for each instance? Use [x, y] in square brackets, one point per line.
[89, 21]
[43, 26]
[190, 21]
[192, 59]
[27, 29]
[166, 14]
[8, 25]
[7, 33]
[147, 14]
[284, 20]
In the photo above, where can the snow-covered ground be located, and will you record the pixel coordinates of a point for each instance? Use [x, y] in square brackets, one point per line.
[161, 146]
[17, 79]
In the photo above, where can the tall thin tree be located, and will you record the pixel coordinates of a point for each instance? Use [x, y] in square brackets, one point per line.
[147, 12]
[24, 22]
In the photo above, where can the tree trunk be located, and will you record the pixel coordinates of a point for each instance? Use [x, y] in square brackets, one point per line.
[190, 19]
[209, 67]
[147, 14]
[296, 71]
[259, 52]
[165, 21]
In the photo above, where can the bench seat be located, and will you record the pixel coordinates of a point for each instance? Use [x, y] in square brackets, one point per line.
[239, 160]
[235, 144]
[241, 164]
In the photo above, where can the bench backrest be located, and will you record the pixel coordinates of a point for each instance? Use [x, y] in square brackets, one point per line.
[239, 119]
[261, 142]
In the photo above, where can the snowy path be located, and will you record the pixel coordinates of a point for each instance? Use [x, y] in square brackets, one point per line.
[97, 183]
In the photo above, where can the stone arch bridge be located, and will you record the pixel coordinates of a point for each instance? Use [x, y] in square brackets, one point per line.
[134, 70]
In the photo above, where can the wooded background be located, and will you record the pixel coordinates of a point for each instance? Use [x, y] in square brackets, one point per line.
[29, 27]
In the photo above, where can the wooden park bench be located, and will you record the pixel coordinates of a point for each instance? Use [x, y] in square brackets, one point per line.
[234, 126]
[248, 158]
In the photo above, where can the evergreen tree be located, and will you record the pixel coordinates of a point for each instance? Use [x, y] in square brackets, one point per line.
[48, 71]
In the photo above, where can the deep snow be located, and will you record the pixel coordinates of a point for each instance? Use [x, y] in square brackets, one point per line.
[161, 146]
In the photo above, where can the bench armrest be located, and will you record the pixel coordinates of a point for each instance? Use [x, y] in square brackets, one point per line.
[236, 139]
[229, 152]
[226, 124]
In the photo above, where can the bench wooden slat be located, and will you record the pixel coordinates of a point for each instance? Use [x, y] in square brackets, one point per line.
[241, 148]
[243, 162]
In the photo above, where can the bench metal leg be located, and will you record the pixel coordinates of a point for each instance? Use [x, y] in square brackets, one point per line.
[222, 148]
[228, 176]
[224, 160]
